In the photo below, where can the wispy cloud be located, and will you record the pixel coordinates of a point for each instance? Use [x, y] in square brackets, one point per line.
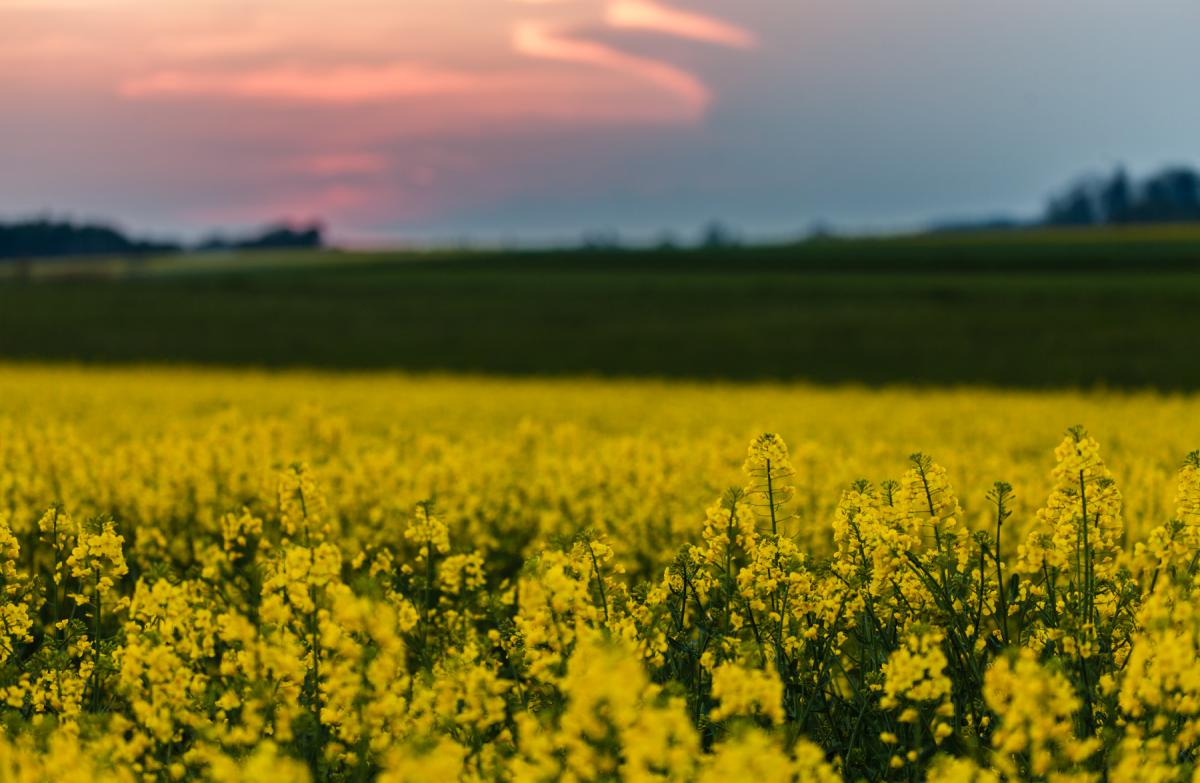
[347, 84]
[534, 39]
[649, 15]
[268, 62]
[406, 99]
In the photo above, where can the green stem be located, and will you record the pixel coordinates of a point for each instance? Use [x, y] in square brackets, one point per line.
[1088, 598]
[96, 643]
[1000, 572]
[771, 500]
[599, 580]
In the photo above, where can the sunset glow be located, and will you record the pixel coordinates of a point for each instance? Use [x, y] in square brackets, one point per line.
[372, 73]
[444, 119]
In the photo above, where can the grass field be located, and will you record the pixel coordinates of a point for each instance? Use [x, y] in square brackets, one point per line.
[1026, 309]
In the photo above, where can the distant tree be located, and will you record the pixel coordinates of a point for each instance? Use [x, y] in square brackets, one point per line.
[1076, 207]
[820, 229]
[606, 239]
[277, 237]
[1116, 198]
[1171, 195]
[667, 241]
[716, 235]
[309, 236]
[49, 238]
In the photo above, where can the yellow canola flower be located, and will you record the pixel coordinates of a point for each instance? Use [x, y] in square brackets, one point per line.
[753, 755]
[1036, 707]
[748, 692]
[917, 671]
[263, 590]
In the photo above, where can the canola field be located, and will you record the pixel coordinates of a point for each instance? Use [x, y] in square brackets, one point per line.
[239, 576]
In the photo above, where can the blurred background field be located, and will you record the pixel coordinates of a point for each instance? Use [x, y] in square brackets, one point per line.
[1044, 308]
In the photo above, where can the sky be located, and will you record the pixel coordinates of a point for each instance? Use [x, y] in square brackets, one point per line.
[542, 120]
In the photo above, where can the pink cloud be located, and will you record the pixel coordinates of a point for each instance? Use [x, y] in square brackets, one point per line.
[346, 84]
[537, 40]
[501, 99]
[649, 15]
[344, 164]
[381, 112]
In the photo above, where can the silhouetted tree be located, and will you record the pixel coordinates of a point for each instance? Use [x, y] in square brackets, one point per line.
[49, 238]
[277, 237]
[667, 241]
[607, 239]
[1076, 207]
[1171, 195]
[1116, 198]
[716, 235]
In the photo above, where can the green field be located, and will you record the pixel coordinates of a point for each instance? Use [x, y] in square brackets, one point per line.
[1030, 309]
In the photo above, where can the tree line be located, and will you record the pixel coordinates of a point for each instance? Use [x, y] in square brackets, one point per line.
[48, 238]
[1171, 195]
